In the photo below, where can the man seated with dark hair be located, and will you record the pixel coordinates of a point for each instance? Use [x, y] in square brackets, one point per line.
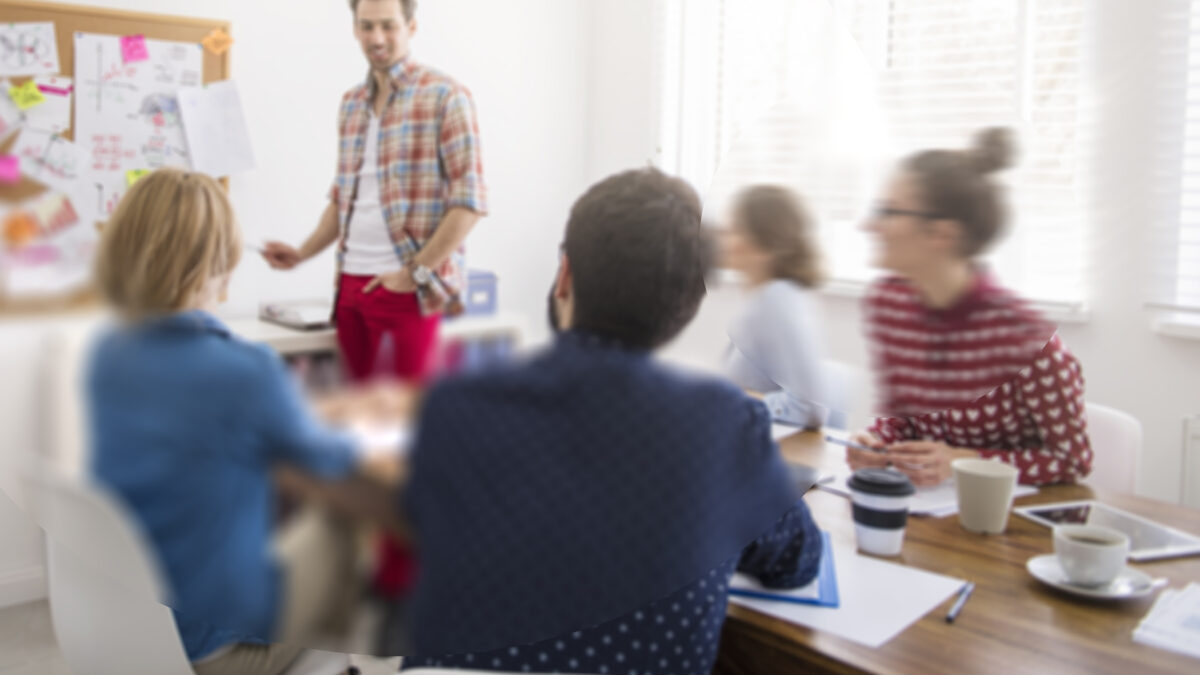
[583, 511]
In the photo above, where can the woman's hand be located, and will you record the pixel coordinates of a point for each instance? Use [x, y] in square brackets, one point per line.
[863, 459]
[926, 463]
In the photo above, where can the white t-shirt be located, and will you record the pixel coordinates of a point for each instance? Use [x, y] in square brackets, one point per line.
[369, 248]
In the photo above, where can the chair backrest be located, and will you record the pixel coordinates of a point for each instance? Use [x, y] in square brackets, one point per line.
[105, 589]
[842, 382]
[1116, 439]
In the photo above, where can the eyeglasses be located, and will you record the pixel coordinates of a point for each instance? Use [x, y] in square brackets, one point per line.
[886, 212]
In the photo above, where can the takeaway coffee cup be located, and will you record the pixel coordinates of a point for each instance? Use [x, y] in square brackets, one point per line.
[880, 502]
[985, 494]
[1090, 555]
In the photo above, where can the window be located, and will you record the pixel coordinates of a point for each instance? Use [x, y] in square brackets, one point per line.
[825, 95]
[1177, 244]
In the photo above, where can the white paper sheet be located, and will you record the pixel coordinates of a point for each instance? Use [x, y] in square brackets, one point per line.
[381, 440]
[878, 600]
[779, 431]
[1173, 623]
[50, 266]
[54, 115]
[938, 501]
[28, 49]
[11, 117]
[127, 115]
[50, 159]
[218, 141]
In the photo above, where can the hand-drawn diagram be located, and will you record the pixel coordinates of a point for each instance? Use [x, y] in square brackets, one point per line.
[127, 114]
[28, 49]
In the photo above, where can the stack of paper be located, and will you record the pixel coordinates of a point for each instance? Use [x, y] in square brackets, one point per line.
[877, 599]
[1173, 623]
[938, 501]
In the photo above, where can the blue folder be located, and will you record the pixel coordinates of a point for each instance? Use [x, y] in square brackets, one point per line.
[827, 589]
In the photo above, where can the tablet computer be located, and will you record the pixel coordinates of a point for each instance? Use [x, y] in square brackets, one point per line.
[1148, 540]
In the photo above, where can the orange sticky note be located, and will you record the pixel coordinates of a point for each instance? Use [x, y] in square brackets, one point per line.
[19, 228]
[217, 42]
[27, 95]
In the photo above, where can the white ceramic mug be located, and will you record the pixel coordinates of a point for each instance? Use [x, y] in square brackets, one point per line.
[1090, 555]
[985, 493]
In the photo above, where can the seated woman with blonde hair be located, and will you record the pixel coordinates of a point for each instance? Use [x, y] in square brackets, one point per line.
[187, 422]
[775, 347]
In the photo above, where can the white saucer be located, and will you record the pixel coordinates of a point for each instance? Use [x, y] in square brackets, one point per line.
[1130, 583]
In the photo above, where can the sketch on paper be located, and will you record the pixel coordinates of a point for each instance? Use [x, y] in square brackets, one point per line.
[127, 114]
[50, 159]
[28, 49]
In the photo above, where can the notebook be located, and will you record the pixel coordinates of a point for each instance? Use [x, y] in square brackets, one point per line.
[822, 591]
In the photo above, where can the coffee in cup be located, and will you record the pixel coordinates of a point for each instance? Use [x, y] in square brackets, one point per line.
[880, 502]
[985, 494]
[1090, 555]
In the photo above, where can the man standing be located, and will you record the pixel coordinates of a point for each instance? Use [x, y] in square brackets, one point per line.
[409, 189]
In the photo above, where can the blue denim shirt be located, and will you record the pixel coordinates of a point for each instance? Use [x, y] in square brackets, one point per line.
[186, 422]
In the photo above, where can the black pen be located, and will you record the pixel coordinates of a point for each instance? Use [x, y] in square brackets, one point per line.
[962, 600]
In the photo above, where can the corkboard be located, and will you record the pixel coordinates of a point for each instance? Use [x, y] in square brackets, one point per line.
[68, 20]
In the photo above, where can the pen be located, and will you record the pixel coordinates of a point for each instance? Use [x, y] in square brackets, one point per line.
[962, 600]
[852, 444]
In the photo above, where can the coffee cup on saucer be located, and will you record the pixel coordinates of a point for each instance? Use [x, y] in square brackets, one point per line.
[1090, 555]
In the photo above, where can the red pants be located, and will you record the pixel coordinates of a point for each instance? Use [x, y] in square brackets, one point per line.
[382, 333]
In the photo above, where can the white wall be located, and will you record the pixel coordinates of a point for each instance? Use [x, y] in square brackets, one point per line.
[525, 61]
[1127, 365]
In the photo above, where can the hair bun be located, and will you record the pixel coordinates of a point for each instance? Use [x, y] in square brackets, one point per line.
[993, 150]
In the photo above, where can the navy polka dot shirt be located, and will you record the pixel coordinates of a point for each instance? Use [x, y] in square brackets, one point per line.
[677, 634]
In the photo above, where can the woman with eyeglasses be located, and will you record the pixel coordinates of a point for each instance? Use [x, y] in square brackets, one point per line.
[965, 368]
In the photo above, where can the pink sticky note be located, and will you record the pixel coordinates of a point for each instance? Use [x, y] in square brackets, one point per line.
[10, 169]
[133, 48]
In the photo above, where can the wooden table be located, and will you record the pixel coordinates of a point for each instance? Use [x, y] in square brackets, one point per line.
[1012, 622]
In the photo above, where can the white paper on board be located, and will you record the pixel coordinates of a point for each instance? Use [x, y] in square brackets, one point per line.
[127, 114]
[28, 49]
[51, 160]
[215, 127]
[54, 115]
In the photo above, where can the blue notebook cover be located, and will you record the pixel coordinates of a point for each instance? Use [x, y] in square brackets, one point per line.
[827, 589]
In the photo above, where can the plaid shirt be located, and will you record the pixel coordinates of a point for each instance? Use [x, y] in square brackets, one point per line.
[429, 162]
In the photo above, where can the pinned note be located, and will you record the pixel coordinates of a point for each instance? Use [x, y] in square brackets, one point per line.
[27, 95]
[10, 169]
[217, 42]
[28, 49]
[134, 175]
[133, 49]
[18, 228]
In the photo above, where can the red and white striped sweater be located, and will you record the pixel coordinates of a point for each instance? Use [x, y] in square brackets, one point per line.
[987, 374]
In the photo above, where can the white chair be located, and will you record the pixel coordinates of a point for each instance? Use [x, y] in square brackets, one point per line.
[1116, 439]
[842, 382]
[105, 590]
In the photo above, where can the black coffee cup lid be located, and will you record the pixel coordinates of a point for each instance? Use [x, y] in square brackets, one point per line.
[881, 482]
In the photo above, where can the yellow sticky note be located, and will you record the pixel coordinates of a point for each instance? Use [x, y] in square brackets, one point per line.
[217, 42]
[134, 175]
[27, 95]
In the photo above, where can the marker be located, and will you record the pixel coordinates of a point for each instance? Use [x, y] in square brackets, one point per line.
[962, 600]
[256, 248]
[856, 446]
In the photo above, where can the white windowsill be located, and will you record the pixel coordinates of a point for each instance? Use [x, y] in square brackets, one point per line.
[1061, 312]
[1178, 324]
